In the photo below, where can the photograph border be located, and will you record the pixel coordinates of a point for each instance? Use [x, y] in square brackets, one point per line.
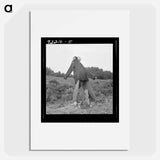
[81, 118]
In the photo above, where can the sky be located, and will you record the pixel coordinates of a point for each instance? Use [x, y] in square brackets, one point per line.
[59, 56]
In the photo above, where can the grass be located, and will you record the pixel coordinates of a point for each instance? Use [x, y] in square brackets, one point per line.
[59, 94]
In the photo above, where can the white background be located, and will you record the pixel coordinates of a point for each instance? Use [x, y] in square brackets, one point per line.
[145, 142]
[79, 23]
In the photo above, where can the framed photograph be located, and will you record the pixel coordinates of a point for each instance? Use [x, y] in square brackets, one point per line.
[74, 92]
[79, 79]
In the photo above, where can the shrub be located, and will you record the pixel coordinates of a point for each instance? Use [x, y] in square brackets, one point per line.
[58, 91]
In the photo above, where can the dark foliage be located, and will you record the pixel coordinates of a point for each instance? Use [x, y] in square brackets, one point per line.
[99, 73]
[92, 72]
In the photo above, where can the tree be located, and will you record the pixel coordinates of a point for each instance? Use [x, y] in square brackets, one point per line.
[99, 73]
[49, 71]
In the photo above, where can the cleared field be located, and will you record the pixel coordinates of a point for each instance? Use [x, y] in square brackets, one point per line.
[59, 94]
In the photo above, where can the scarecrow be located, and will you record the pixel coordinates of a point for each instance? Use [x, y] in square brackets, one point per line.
[81, 77]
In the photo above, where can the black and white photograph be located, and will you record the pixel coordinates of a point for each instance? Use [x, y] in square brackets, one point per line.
[78, 80]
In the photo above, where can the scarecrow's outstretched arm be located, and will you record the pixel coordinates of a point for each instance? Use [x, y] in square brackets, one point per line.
[69, 71]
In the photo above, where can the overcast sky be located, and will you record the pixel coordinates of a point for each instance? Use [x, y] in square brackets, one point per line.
[59, 56]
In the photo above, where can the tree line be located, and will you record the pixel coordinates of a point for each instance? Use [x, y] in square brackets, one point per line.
[97, 72]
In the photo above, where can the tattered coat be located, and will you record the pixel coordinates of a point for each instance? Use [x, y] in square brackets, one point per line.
[79, 71]
[81, 74]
